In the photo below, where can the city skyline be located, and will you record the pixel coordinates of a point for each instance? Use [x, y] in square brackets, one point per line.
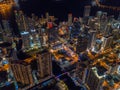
[59, 47]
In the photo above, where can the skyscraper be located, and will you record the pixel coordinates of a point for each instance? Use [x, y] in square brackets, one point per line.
[44, 64]
[82, 43]
[69, 19]
[22, 72]
[99, 14]
[34, 39]
[91, 23]
[92, 39]
[45, 39]
[87, 10]
[6, 26]
[115, 33]
[21, 21]
[93, 80]
[107, 42]
[107, 29]
[47, 16]
[26, 39]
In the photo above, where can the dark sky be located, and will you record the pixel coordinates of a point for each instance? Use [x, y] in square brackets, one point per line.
[60, 8]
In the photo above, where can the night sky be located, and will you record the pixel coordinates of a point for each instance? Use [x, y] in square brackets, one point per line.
[61, 8]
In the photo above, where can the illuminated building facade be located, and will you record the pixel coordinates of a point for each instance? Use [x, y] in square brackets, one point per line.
[22, 72]
[69, 19]
[81, 72]
[44, 64]
[45, 39]
[87, 10]
[82, 43]
[92, 39]
[47, 16]
[94, 81]
[91, 22]
[35, 39]
[107, 42]
[6, 26]
[115, 33]
[21, 21]
[99, 14]
[108, 29]
[98, 45]
[26, 39]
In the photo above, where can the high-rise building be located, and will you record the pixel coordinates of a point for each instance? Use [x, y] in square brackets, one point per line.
[49, 25]
[98, 45]
[45, 39]
[1, 37]
[91, 23]
[87, 10]
[47, 16]
[69, 19]
[104, 16]
[26, 39]
[99, 14]
[6, 26]
[92, 39]
[44, 64]
[1, 28]
[21, 21]
[82, 43]
[93, 80]
[97, 27]
[35, 39]
[118, 17]
[81, 72]
[22, 72]
[107, 30]
[115, 33]
[107, 42]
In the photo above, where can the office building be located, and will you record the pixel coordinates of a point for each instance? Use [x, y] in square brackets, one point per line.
[91, 23]
[99, 14]
[21, 21]
[115, 33]
[92, 39]
[26, 39]
[6, 26]
[118, 17]
[82, 43]
[49, 25]
[97, 27]
[47, 16]
[81, 72]
[69, 19]
[94, 81]
[107, 30]
[87, 10]
[22, 72]
[1, 37]
[107, 42]
[44, 64]
[35, 41]
[1, 27]
[45, 39]
[98, 45]
[104, 16]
